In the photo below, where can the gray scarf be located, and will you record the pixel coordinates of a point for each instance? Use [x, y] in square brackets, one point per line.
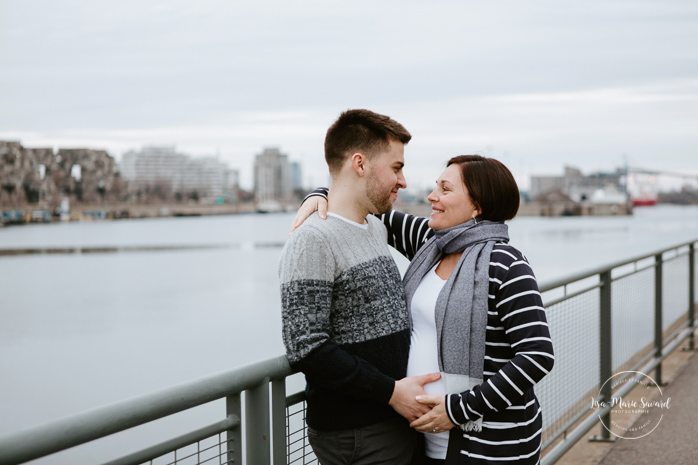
[461, 307]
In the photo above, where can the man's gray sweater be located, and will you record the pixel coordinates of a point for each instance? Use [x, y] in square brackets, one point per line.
[345, 322]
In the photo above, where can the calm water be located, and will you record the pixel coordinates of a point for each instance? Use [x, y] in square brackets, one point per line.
[78, 331]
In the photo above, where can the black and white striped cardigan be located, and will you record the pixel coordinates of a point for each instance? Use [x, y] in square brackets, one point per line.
[518, 354]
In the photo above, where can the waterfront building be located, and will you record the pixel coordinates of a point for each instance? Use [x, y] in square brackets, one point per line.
[152, 166]
[89, 174]
[42, 177]
[165, 169]
[595, 187]
[543, 184]
[576, 194]
[296, 175]
[210, 177]
[273, 180]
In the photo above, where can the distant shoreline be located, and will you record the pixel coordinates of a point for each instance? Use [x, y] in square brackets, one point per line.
[88, 212]
[19, 251]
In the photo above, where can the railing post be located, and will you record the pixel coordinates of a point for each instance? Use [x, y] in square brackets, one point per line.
[257, 424]
[278, 421]
[691, 294]
[658, 288]
[234, 441]
[605, 348]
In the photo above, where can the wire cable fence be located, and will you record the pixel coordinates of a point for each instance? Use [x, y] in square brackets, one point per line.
[633, 318]
[675, 285]
[625, 316]
[298, 450]
[210, 451]
[574, 329]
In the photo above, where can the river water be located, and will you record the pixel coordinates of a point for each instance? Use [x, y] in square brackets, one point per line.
[78, 331]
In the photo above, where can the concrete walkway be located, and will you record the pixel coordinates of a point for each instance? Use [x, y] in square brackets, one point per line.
[675, 441]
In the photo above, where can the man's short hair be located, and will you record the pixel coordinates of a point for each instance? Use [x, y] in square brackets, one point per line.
[361, 131]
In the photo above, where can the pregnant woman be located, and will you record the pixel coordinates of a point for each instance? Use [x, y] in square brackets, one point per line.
[476, 316]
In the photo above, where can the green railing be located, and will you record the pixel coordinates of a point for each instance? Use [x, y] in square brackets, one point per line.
[622, 317]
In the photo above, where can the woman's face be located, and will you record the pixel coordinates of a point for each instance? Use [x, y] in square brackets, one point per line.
[450, 202]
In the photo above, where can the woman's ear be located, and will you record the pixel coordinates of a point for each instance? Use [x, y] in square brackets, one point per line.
[477, 211]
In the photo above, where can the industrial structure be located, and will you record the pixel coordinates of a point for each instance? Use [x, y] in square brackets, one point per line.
[576, 194]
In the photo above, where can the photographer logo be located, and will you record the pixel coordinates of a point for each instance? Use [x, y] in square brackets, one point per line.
[651, 406]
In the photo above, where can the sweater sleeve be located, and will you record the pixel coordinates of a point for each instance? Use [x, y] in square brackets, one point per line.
[306, 272]
[519, 308]
[406, 233]
[320, 191]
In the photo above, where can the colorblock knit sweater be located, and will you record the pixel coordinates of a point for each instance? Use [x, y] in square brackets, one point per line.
[345, 321]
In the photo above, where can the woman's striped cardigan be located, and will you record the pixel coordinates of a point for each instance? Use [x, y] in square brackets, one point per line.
[518, 354]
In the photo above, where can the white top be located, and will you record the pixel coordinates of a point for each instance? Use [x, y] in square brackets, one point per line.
[424, 350]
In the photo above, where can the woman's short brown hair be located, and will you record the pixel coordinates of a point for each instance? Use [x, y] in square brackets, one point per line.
[491, 186]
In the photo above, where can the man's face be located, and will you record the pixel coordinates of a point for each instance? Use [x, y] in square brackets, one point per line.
[384, 177]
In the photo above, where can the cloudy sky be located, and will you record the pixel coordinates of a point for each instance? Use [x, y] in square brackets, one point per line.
[536, 84]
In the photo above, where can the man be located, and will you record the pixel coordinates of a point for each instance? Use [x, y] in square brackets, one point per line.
[345, 321]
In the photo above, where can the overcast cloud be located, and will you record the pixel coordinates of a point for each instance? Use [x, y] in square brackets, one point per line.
[536, 84]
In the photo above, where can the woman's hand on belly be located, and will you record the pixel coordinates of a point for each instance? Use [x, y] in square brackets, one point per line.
[436, 420]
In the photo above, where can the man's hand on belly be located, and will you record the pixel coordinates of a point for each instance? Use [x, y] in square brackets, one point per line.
[404, 401]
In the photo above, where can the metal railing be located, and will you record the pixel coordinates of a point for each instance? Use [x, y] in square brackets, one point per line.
[627, 316]
[270, 418]
[624, 316]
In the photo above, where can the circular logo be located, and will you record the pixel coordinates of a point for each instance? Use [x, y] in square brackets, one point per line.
[637, 417]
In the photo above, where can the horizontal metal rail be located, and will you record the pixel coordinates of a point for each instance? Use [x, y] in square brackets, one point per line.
[556, 283]
[573, 294]
[181, 441]
[570, 423]
[55, 436]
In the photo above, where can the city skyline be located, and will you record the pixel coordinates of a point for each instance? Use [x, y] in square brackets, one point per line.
[280, 186]
[537, 86]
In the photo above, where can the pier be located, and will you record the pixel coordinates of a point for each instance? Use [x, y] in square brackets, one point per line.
[624, 317]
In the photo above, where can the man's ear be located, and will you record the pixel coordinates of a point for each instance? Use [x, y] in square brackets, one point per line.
[358, 163]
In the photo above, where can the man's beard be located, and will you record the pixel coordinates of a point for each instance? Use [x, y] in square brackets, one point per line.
[381, 198]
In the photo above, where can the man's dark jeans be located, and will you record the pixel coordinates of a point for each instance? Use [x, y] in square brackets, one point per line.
[388, 442]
